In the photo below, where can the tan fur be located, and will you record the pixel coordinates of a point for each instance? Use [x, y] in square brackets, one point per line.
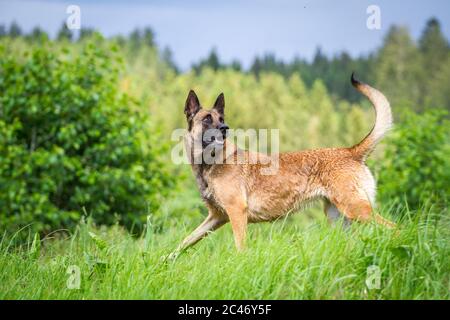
[239, 193]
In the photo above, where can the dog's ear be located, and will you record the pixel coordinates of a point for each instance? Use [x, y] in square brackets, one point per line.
[219, 105]
[192, 105]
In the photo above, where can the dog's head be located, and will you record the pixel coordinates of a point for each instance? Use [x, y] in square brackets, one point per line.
[207, 126]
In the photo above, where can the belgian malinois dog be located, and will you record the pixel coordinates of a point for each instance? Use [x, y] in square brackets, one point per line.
[237, 192]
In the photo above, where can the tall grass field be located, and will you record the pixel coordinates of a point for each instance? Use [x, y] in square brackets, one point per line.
[294, 258]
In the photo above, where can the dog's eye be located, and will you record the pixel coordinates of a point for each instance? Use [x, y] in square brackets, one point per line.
[221, 120]
[207, 119]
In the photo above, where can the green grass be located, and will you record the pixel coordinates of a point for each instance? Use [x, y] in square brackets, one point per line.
[297, 258]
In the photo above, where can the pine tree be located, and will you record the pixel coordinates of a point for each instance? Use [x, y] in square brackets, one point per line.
[397, 69]
[256, 67]
[15, 30]
[148, 37]
[135, 41]
[213, 60]
[64, 34]
[433, 45]
[85, 33]
[434, 49]
[167, 57]
[2, 30]
[236, 65]
[37, 34]
[320, 63]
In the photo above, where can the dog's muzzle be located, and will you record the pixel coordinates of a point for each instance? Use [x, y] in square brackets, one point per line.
[216, 136]
[224, 130]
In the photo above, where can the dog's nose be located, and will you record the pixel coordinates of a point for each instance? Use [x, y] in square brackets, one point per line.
[223, 128]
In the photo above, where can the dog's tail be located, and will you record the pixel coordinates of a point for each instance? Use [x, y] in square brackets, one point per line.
[383, 120]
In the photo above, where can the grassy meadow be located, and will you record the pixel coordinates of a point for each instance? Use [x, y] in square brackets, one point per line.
[301, 257]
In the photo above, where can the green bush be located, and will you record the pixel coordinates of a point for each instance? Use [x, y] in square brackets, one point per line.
[416, 168]
[70, 142]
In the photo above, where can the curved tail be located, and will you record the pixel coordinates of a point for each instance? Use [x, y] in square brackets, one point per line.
[383, 120]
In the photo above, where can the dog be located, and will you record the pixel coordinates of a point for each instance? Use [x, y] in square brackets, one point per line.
[238, 193]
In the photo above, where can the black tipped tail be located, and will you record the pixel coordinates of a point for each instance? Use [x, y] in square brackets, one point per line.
[355, 82]
[383, 120]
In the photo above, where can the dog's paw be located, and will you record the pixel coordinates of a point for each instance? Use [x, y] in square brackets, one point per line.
[170, 257]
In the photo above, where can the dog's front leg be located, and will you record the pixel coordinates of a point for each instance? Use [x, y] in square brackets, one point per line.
[238, 218]
[211, 223]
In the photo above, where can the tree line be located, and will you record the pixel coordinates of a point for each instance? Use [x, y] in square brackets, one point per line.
[414, 74]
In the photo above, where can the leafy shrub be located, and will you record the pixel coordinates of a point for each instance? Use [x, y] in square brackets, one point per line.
[71, 142]
[417, 161]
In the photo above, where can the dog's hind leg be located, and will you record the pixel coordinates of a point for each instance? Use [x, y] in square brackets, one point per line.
[361, 210]
[383, 221]
[333, 214]
[353, 194]
[211, 223]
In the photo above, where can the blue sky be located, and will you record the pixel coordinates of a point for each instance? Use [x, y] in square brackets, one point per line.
[238, 29]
